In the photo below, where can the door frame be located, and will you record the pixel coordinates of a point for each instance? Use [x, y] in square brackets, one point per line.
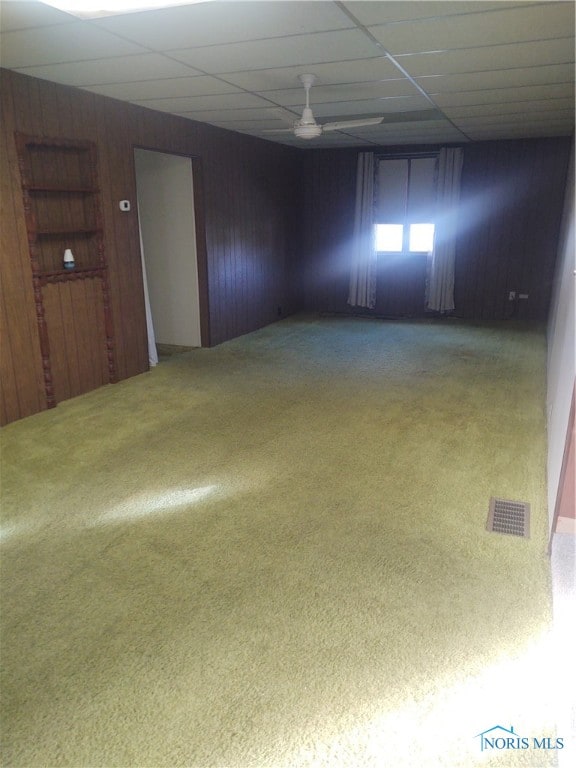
[200, 230]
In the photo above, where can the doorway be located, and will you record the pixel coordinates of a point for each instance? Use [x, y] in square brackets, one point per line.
[165, 193]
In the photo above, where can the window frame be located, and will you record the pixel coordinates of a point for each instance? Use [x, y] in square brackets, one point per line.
[407, 220]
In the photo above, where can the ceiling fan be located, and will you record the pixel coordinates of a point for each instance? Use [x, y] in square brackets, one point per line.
[308, 128]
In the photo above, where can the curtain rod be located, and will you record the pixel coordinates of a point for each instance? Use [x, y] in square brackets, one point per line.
[390, 155]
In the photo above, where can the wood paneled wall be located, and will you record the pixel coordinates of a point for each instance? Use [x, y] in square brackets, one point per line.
[273, 222]
[247, 213]
[512, 193]
[511, 202]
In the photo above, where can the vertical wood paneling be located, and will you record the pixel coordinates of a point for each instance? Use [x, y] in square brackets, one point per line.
[73, 370]
[512, 195]
[22, 387]
[245, 206]
[122, 242]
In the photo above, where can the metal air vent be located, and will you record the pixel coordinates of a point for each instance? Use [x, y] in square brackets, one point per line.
[509, 517]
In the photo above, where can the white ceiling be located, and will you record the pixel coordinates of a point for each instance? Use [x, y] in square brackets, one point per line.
[439, 71]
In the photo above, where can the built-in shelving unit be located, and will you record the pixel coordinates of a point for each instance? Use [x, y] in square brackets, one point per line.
[61, 195]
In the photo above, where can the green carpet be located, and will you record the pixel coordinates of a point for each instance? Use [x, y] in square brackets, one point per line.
[273, 554]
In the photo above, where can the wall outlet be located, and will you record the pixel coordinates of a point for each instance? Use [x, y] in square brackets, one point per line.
[511, 295]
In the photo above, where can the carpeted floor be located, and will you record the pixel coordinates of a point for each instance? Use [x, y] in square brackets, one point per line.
[273, 554]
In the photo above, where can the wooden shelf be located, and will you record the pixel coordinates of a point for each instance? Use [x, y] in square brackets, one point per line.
[66, 275]
[74, 231]
[75, 271]
[61, 196]
[54, 189]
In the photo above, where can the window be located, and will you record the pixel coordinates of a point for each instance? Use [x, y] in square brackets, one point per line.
[390, 238]
[404, 204]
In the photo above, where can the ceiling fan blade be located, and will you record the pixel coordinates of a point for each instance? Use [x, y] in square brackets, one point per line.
[278, 130]
[343, 124]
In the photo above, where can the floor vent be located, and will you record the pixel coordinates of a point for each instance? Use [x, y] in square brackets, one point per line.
[511, 517]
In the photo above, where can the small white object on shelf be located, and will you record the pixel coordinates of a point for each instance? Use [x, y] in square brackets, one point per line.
[69, 262]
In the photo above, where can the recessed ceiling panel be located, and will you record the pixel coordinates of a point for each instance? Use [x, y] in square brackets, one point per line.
[281, 52]
[349, 92]
[337, 72]
[24, 15]
[64, 42]
[204, 103]
[511, 107]
[102, 71]
[517, 132]
[478, 29]
[202, 85]
[230, 116]
[416, 126]
[560, 51]
[515, 119]
[373, 107]
[371, 13]
[523, 93]
[237, 64]
[506, 78]
[251, 126]
[231, 22]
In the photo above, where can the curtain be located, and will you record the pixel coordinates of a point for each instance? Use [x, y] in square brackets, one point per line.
[362, 291]
[440, 296]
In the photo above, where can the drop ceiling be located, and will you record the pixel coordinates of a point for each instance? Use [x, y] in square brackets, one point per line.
[438, 72]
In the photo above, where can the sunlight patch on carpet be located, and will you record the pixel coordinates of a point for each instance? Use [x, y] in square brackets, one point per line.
[441, 729]
[9, 531]
[148, 504]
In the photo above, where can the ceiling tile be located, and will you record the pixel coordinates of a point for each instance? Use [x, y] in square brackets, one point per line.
[478, 29]
[252, 126]
[433, 126]
[229, 63]
[336, 139]
[472, 81]
[523, 93]
[372, 107]
[204, 103]
[24, 14]
[232, 115]
[426, 134]
[201, 85]
[379, 68]
[103, 71]
[349, 92]
[534, 119]
[560, 51]
[208, 24]
[371, 13]
[65, 42]
[279, 52]
[510, 108]
[518, 131]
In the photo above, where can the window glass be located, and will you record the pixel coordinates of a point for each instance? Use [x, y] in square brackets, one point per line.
[389, 237]
[421, 237]
[422, 189]
[405, 204]
[392, 190]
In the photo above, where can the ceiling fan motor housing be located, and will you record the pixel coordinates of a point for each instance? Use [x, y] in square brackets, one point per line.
[307, 130]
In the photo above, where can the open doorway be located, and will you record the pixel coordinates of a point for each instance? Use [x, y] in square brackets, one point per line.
[165, 191]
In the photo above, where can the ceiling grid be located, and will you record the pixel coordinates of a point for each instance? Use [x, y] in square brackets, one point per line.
[437, 72]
